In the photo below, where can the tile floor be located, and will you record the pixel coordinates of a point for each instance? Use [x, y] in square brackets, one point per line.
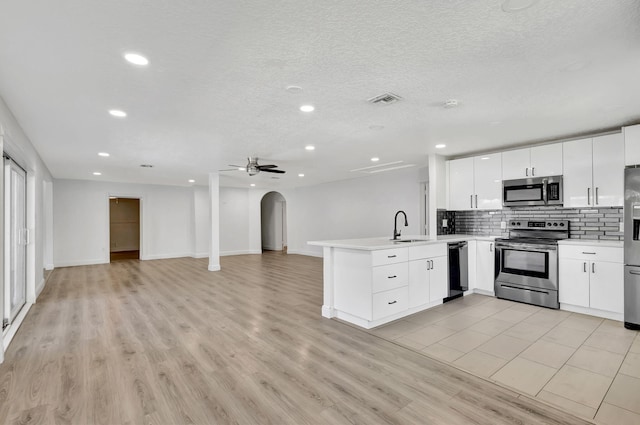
[583, 364]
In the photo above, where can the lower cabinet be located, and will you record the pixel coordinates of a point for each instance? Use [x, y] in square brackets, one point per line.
[375, 287]
[485, 267]
[592, 277]
[427, 280]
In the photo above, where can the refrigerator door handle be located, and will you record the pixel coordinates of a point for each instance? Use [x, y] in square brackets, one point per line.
[632, 272]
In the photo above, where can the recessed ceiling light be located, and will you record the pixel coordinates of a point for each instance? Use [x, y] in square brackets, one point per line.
[307, 108]
[294, 89]
[310, 147]
[511, 6]
[118, 113]
[300, 175]
[253, 184]
[451, 103]
[192, 181]
[375, 159]
[441, 146]
[136, 59]
[103, 154]
[484, 158]
[97, 173]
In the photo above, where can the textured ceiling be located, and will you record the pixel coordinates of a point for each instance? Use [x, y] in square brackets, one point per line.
[214, 92]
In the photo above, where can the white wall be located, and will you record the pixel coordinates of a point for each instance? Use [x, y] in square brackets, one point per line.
[81, 220]
[357, 208]
[15, 142]
[234, 221]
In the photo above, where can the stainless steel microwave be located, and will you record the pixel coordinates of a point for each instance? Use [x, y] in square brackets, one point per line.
[532, 191]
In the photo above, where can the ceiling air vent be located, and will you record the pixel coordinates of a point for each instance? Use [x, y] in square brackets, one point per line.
[385, 99]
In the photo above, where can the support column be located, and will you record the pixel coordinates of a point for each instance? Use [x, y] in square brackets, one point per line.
[214, 218]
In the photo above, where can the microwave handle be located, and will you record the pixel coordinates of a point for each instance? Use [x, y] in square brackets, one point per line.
[544, 191]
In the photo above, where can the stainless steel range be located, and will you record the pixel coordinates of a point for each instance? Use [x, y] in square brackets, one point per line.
[527, 261]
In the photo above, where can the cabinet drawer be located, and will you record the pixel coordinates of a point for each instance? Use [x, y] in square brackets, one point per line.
[427, 251]
[591, 253]
[389, 256]
[390, 276]
[390, 302]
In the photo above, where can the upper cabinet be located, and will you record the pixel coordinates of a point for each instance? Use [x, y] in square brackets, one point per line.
[475, 183]
[594, 171]
[631, 144]
[537, 161]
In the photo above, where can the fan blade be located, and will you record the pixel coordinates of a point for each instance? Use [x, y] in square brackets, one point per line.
[230, 169]
[267, 166]
[237, 166]
[272, 170]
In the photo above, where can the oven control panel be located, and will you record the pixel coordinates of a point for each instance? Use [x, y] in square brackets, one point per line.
[539, 224]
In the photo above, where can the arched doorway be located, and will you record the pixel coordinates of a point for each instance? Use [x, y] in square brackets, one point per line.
[273, 217]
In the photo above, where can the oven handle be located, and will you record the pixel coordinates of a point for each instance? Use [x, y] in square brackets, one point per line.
[527, 246]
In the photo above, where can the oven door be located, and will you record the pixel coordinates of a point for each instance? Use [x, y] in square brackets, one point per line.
[527, 264]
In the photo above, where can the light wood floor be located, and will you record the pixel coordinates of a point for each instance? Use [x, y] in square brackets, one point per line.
[168, 342]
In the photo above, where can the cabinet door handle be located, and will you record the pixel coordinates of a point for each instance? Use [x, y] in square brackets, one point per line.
[392, 277]
[533, 171]
[632, 272]
[590, 253]
[596, 196]
[584, 267]
[491, 247]
[391, 256]
[431, 261]
[593, 267]
[392, 302]
[471, 200]
[526, 171]
[588, 196]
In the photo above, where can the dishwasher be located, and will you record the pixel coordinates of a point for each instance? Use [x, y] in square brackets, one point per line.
[458, 270]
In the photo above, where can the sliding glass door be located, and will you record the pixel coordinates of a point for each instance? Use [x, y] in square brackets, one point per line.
[16, 239]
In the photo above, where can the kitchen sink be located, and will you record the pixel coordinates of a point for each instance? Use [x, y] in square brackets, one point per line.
[406, 240]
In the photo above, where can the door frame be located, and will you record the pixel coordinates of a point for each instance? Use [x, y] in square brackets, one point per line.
[107, 258]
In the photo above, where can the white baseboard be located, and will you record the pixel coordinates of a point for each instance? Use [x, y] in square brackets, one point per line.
[40, 287]
[10, 332]
[82, 263]
[214, 267]
[200, 255]
[166, 256]
[593, 312]
[241, 252]
[304, 252]
[49, 267]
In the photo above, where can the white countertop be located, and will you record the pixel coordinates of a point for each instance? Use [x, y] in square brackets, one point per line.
[589, 242]
[372, 244]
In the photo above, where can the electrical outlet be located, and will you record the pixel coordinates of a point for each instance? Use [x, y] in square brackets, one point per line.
[445, 222]
[503, 224]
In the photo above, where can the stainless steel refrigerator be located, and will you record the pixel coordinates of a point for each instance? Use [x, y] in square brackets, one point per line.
[632, 247]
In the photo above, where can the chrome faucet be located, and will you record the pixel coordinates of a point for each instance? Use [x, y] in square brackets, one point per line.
[396, 233]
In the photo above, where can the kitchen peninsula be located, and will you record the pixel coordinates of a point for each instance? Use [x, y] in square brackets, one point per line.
[372, 281]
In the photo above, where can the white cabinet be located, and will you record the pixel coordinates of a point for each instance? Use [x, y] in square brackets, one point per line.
[374, 287]
[428, 277]
[591, 277]
[475, 183]
[537, 161]
[594, 171]
[631, 144]
[485, 267]
[461, 184]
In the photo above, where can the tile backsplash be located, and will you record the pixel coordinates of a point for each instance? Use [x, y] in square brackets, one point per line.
[585, 223]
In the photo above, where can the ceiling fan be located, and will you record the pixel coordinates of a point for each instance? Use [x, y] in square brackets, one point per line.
[253, 168]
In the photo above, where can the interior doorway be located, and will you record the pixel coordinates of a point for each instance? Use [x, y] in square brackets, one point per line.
[273, 216]
[124, 228]
[15, 241]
